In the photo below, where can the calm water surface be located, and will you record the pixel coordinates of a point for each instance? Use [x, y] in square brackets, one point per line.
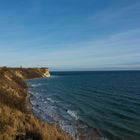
[88, 105]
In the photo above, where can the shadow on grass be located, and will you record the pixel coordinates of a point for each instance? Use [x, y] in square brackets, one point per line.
[30, 135]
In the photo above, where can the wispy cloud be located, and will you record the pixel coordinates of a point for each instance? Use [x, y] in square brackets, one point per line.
[63, 35]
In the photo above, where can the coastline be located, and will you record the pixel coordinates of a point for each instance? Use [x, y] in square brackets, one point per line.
[30, 110]
[16, 116]
[84, 132]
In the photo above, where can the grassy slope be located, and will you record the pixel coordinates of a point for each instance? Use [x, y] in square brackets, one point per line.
[16, 121]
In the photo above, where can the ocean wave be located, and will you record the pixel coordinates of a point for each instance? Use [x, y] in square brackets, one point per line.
[36, 85]
[73, 114]
[50, 99]
[79, 107]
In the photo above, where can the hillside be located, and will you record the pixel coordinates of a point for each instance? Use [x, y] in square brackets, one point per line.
[17, 122]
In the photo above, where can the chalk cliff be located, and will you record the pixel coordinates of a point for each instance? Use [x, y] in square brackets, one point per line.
[17, 122]
[29, 73]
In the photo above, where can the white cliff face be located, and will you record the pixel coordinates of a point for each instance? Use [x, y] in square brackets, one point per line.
[46, 73]
[30, 73]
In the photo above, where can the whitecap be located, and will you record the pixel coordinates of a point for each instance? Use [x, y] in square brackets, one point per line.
[50, 99]
[35, 85]
[73, 114]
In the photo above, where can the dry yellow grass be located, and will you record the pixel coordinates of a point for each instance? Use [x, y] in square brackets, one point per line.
[16, 121]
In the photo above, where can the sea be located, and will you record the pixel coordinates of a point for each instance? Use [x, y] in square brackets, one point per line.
[98, 105]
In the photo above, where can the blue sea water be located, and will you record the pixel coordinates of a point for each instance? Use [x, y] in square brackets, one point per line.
[90, 105]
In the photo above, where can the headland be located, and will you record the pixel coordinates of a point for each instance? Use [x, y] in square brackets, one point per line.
[17, 122]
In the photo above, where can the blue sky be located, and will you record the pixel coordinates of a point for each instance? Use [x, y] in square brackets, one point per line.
[70, 34]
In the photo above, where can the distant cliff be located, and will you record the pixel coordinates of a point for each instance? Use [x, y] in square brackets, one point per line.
[17, 122]
[29, 73]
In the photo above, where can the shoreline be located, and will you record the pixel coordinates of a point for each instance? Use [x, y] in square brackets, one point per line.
[16, 115]
[93, 132]
[30, 109]
[30, 106]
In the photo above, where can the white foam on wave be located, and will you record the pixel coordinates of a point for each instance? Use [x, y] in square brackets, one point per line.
[73, 114]
[50, 99]
[70, 129]
[35, 85]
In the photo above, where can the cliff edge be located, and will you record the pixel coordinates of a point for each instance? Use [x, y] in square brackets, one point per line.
[16, 121]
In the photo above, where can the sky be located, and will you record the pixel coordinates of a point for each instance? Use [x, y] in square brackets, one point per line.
[70, 34]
